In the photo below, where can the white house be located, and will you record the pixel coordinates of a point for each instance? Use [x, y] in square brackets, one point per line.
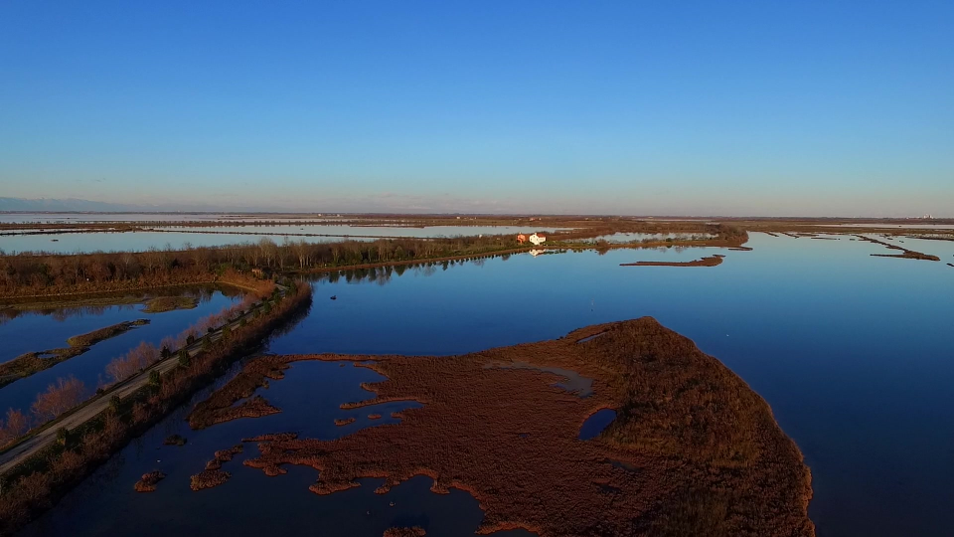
[537, 239]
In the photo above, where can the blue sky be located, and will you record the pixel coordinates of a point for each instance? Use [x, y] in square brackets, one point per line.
[732, 108]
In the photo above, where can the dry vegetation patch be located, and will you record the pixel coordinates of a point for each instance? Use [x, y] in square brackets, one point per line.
[218, 408]
[94, 337]
[175, 440]
[905, 253]
[710, 261]
[213, 475]
[415, 531]
[693, 450]
[207, 479]
[162, 304]
[148, 481]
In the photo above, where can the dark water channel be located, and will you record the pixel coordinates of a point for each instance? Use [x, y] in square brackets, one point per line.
[595, 424]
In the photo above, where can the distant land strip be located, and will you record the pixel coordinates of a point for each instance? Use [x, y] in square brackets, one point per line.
[710, 261]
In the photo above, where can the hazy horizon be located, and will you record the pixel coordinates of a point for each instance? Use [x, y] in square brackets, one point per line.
[697, 109]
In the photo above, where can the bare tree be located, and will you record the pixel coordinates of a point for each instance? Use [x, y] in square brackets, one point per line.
[58, 398]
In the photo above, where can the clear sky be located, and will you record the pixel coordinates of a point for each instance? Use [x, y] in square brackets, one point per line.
[711, 107]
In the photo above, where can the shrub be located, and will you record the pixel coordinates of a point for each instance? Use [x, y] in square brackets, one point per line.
[59, 398]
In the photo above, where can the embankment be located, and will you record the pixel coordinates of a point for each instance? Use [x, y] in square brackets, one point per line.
[37, 482]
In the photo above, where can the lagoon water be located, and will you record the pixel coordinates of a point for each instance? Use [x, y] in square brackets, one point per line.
[40, 330]
[851, 351]
[180, 238]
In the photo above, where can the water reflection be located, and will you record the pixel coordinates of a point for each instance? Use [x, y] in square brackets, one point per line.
[61, 312]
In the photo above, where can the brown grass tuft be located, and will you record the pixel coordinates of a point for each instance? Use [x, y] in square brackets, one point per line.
[148, 481]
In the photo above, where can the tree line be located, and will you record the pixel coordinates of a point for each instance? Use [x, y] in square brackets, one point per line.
[38, 274]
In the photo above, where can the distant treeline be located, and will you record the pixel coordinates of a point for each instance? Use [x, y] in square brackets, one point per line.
[38, 274]
[45, 274]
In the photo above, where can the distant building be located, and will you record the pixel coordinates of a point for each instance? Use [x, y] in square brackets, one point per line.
[521, 238]
[538, 239]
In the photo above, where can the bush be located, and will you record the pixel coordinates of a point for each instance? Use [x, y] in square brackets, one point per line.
[184, 359]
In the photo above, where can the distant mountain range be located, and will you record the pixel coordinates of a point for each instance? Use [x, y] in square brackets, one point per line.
[75, 205]
[65, 205]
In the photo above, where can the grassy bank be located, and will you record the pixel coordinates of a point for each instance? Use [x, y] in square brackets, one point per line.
[162, 304]
[91, 338]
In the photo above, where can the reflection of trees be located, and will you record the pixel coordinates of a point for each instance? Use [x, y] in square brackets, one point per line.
[383, 275]
[202, 294]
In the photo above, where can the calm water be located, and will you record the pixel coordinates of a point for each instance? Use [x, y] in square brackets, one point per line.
[68, 243]
[852, 352]
[40, 330]
[595, 424]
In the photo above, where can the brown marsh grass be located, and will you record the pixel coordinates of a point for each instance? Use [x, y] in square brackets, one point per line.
[692, 451]
[148, 481]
